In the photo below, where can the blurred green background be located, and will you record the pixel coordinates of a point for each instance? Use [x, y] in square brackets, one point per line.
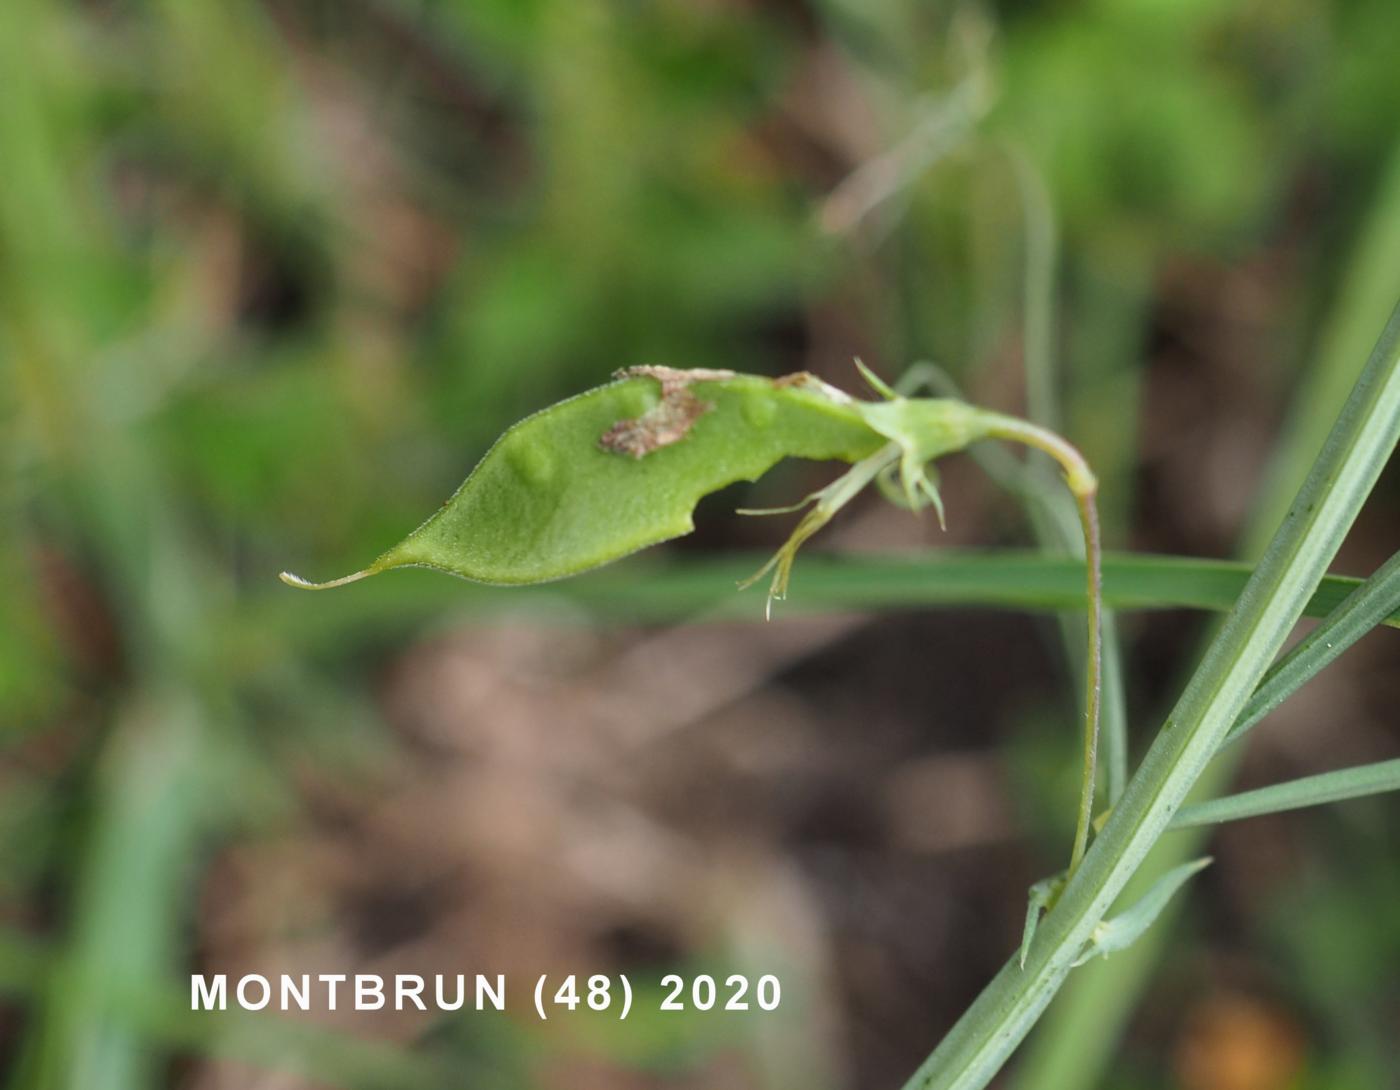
[273, 273]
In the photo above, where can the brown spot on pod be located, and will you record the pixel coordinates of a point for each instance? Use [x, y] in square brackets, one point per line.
[670, 419]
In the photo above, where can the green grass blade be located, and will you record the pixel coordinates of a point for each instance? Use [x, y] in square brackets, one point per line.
[1345, 783]
[1341, 478]
[646, 589]
[1073, 1048]
[160, 1011]
[1367, 606]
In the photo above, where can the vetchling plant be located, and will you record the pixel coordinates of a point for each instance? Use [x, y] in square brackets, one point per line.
[622, 466]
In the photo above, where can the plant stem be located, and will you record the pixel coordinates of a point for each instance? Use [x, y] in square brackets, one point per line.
[1074, 1044]
[1093, 673]
[1342, 476]
[1043, 407]
[1083, 485]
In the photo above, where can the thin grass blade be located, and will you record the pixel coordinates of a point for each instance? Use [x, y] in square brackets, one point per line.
[1366, 607]
[1361, 441]
[1345, 783]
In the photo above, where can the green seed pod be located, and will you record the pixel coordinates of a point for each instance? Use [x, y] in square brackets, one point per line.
[621, 467]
